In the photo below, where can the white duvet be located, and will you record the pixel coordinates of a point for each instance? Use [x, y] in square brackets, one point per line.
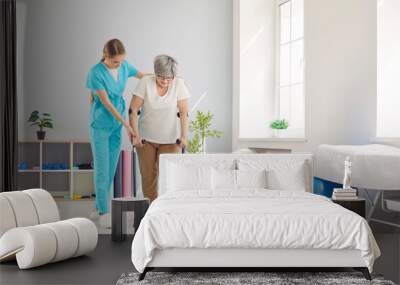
[251, 218]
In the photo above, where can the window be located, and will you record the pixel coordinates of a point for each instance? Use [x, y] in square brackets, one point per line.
[388, 95]
[290, 66]
[268, 69]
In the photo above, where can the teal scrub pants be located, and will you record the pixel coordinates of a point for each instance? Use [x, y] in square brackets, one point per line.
[106, 146]
[105, 137]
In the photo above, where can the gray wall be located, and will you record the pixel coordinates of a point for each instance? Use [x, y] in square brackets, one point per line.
[61, 39]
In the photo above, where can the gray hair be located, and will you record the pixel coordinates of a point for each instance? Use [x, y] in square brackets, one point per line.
[165, 65]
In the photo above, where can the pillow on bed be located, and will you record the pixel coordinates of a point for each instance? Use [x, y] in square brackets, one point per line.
[251, 178]
[293, 179]
[223, 179]
[188, 177]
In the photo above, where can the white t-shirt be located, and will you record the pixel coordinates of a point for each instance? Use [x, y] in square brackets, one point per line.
[113, 72]
[158, 121]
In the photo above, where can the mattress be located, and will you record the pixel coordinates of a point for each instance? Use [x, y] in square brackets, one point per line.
[374, 166]
[251, 219]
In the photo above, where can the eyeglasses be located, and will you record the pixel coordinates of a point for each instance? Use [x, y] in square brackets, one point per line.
[165, 78]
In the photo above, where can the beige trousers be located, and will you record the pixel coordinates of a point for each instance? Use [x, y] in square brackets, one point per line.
[148, 163]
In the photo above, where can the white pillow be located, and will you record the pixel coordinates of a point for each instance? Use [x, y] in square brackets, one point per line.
[251, 178]
[224, 179]
[188, 177]
[293, 178]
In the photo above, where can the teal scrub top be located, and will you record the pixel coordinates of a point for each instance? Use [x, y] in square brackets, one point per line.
[99, 78]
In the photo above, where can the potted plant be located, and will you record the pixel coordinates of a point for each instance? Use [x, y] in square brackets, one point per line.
[201, 130]
[42, 121]
[278, 126]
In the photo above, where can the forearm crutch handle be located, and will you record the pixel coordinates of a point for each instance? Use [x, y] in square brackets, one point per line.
[178, 142]
[179, 115]
[130, 112]
[143, 142]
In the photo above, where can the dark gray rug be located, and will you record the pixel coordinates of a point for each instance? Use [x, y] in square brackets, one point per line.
[243, 278]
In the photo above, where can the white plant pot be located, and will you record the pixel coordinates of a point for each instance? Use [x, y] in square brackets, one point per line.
[279, 133]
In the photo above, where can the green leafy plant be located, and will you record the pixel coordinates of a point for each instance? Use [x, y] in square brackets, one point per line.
[42, 121]
[200, 128]
[279, 124]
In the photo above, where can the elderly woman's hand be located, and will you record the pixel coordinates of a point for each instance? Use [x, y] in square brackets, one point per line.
[182, 142]
[137, 141]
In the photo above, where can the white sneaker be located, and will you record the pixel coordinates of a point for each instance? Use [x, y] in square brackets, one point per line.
[94, 216]
[105, 221]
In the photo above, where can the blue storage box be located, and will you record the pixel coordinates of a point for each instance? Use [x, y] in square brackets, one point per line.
[325, 187]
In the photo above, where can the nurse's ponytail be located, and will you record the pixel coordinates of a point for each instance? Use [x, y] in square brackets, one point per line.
[113, 48]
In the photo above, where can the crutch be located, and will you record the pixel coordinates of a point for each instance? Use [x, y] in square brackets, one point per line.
[178, 141]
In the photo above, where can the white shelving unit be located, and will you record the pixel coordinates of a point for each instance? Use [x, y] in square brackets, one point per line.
[59, 183]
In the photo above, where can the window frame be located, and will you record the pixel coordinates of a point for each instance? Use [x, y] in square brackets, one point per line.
[291, 131]
[242, 141]
[381, 135]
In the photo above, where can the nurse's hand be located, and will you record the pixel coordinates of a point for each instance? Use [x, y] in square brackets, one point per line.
[129, 130]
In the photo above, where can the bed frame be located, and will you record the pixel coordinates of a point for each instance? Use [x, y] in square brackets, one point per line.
[260, 259]
[245, 259]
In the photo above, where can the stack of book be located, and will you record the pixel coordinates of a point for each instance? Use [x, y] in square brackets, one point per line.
[344, 194]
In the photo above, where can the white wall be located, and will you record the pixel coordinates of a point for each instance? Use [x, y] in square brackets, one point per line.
[63, 39]
[340, 75]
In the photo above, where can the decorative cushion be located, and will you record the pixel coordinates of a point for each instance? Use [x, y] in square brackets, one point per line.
[284, 172]
[251, 178]
[235, 179]
[292, 179]
[182, 177]
[223, 179]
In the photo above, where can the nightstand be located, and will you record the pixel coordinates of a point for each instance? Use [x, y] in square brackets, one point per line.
[356, 205]
[119, 205]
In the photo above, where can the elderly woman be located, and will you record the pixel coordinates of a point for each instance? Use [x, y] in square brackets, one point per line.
[160, 97]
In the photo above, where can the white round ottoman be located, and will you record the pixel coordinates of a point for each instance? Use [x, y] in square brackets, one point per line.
[31, 232]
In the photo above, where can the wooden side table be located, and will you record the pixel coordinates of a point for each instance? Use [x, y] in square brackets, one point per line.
[356, 205]
[119, 206]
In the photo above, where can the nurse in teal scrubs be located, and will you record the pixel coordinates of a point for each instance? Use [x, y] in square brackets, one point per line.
[106, 81]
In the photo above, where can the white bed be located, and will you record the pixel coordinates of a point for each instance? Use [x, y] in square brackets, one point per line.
[374, 166]
[375, 169]
[248, 227]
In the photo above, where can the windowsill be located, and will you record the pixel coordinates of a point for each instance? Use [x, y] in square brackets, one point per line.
[272, 139]
[384, 140]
